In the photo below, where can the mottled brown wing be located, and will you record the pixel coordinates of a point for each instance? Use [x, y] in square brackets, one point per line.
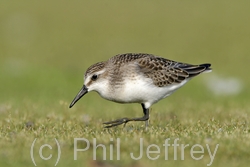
[162, 71]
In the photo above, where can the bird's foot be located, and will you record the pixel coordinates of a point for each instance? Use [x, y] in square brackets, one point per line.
[116, 122]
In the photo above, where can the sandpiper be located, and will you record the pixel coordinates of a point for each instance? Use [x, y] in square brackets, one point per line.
[137, 78]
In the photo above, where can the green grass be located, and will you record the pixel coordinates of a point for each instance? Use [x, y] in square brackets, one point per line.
[46, 47]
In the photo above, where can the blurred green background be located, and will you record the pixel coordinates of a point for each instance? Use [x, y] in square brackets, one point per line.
[46, 46]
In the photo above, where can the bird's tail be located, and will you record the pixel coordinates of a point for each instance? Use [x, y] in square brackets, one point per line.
[194, 70]
[207, 67]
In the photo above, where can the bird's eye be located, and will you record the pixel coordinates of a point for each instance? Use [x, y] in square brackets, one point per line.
[94, 77]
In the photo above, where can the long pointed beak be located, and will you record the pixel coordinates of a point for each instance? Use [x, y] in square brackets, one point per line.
[81, 93]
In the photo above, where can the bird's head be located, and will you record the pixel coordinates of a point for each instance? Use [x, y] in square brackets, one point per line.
[94, 80]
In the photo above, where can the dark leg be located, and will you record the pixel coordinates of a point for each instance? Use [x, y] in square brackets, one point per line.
[146, 112]
[125, 120]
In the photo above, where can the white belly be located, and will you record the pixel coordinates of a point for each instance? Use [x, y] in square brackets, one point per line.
[142, 91]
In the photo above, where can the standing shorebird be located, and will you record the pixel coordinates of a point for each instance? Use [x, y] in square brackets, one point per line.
[137, 78]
